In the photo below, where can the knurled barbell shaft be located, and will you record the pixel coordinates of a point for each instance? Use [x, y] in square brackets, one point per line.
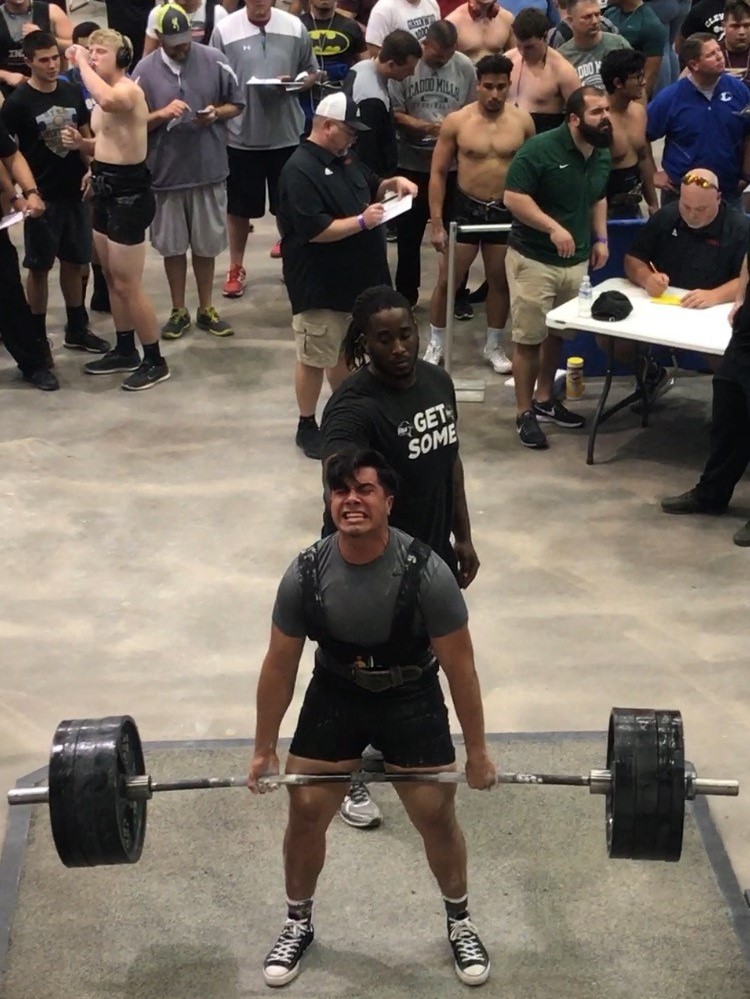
[598, 782]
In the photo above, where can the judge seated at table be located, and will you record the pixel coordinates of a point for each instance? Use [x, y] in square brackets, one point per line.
[697, 244]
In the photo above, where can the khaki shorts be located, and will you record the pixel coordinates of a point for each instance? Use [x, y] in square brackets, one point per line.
[319, 335]
[193, 219]
[535, 289]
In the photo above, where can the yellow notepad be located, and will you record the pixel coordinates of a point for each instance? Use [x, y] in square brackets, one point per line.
[667, 300]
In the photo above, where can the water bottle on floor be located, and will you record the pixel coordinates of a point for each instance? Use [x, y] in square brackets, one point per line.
[585, 297]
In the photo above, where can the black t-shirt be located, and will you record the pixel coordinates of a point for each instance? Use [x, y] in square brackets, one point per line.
[694, 258]
[337, 42]
[707, 15]
[416, 431]
[315, 188]
[7, 145]
[37, 120]
[129, 17]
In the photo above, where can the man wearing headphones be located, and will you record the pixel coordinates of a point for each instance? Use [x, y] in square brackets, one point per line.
[124, 204]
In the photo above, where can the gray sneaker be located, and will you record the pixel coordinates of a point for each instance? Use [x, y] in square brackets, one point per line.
[177, 324]
[359, 810]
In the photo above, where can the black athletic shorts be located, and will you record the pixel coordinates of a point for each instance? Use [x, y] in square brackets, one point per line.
[124, 205]
[408, 725]
[472, 211]
[62, 233]
[251, 172]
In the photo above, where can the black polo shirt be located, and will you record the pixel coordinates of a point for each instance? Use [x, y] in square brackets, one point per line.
[694, 258]
[315, 189]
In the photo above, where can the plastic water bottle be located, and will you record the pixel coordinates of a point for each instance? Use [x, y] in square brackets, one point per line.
[585, 297]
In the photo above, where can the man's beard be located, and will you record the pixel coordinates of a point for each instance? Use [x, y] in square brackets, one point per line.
[597, 136]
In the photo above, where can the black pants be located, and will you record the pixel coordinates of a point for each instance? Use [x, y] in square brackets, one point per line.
[730, 434]
[410, 231]
[28, 349]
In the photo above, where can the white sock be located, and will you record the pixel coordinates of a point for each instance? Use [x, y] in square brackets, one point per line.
[493, 339]
[437, 335]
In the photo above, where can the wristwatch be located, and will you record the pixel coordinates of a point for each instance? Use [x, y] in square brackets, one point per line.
[31, 190]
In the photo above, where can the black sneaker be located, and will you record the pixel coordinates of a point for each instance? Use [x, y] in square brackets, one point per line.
[480, 295]
[555, 412]
[308, 438]
[462, 309]
[113, 363]
[688, 502]
[146, 375]
[43, 379]
[100, 300]
[472, 962]
[529, 431]
[88, 341]
[282, 963]
[657, 381]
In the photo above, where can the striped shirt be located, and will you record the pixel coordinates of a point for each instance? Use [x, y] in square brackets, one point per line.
[282, 47]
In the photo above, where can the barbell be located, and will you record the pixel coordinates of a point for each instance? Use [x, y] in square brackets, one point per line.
[97, 788]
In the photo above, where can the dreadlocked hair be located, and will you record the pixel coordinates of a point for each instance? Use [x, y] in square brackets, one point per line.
[366, 305]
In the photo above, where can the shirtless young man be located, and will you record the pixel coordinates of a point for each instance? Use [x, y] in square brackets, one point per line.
[633, 167]
[542, 79]
[482, 138]
[123, 203]
[484, 28]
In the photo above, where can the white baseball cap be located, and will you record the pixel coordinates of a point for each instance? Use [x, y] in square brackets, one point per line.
[339, 107]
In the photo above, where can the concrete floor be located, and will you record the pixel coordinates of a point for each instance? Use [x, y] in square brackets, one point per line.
[144, 536]
[197, 915]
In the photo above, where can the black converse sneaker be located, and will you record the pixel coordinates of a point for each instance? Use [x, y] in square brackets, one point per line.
[472, 962]
[282, 963]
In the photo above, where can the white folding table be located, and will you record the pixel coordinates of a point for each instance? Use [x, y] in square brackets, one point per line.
[704, 330]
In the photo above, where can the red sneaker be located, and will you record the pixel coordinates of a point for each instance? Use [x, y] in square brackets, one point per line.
[234, 286]
[276, 250]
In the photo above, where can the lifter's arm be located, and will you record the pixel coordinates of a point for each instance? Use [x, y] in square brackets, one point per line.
[275, 690]
[456, 656]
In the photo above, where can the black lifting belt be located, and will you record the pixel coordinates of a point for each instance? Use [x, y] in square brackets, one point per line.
[374, 668]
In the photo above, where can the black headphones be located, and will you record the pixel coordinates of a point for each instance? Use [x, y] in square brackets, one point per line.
[124, 54]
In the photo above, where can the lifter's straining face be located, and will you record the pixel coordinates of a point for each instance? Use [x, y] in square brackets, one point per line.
[392, 344]
[362, 506]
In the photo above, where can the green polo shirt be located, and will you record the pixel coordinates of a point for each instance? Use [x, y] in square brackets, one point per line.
[551, 170]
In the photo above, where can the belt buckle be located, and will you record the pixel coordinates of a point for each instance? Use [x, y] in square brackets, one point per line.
[362, 663]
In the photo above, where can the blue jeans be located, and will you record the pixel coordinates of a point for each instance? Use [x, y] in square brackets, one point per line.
[671, 13]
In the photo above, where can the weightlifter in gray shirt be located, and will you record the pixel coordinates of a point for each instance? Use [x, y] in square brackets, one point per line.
[386, 613]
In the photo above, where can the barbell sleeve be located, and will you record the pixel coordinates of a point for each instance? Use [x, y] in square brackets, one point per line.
[598, 782]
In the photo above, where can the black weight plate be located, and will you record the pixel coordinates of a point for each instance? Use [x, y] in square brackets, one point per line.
[62, 804]
[93, 822]
[671, 784]
[633, 798]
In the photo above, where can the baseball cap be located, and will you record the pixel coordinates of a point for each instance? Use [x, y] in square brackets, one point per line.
[339, 107]
[173, 24]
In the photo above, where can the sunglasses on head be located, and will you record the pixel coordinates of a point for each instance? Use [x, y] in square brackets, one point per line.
[694, 178]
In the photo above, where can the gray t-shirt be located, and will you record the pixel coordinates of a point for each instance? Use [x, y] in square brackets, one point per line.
[359, 600]
[588, 62]
[273, 118]
[188, 155]
[430, 95]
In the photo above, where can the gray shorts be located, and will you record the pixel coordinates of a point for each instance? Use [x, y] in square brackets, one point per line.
[191, 219]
